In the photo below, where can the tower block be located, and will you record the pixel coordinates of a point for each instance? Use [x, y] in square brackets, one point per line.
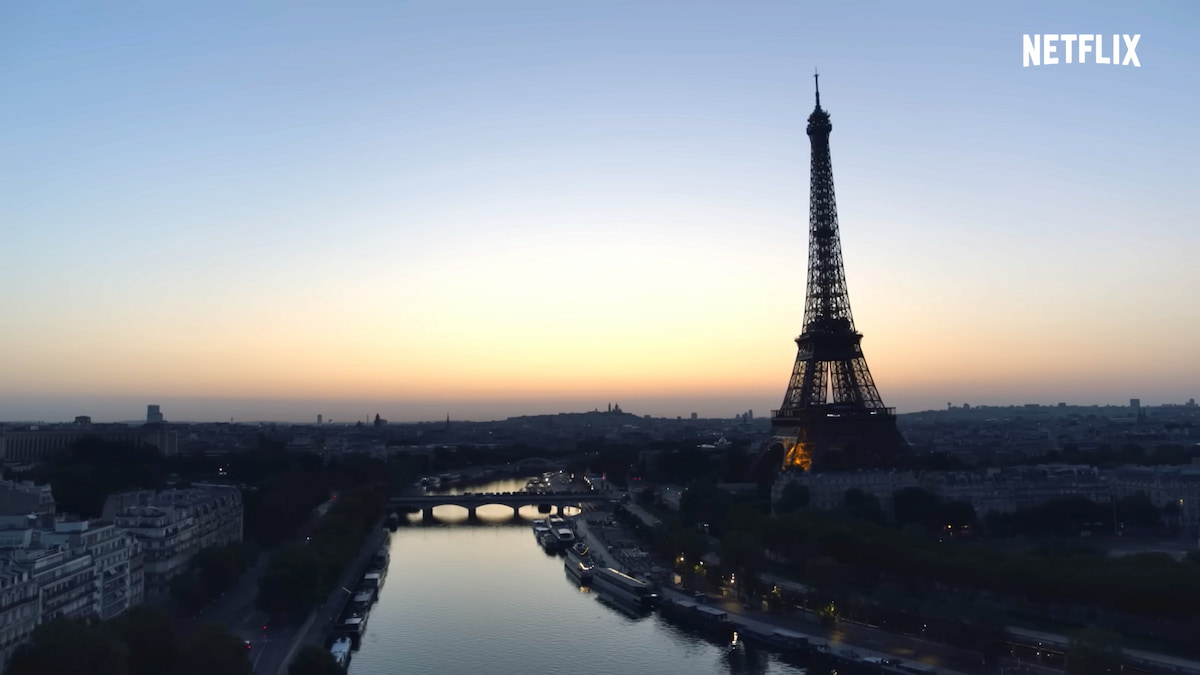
[832, 417]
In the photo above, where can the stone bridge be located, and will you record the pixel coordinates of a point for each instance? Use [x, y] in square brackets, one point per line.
[514, 500]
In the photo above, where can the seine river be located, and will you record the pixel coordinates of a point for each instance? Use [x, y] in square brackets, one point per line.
[484, 599]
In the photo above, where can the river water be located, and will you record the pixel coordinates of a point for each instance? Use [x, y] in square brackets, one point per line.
[484, 599]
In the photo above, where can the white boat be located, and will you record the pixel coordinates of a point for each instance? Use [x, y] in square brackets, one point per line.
[579, 563]
[620, 586]
[341, 651]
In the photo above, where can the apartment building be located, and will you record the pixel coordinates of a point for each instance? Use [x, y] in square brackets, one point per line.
[173, 525]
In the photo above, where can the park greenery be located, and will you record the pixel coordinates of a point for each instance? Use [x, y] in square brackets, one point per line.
[911, 573]
[139, 642]
[211, 572]
[298, 577]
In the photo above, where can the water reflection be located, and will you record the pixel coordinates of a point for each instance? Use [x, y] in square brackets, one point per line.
[481, 596]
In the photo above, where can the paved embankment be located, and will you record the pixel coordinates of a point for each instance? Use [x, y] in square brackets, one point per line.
[613, 547]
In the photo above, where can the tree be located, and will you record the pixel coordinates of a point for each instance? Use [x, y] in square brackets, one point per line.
[291, 583]
[148, 636]
[741, 555]
[793, 498]
[213, 649]
[67, 646]
[90, 470]
[189, 590]
[917, 505]
[312, 660]
[864, 506]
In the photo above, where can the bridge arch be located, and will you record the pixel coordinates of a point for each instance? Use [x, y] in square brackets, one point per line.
[535, 463]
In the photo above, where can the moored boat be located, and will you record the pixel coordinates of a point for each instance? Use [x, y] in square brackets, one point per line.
[341, 651]
[549, 542]
[619, 586]
[695, 615]
[780, 639]
[579, 563]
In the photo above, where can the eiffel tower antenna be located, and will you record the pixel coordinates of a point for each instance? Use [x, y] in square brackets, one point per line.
[817, 84]
[832, 416]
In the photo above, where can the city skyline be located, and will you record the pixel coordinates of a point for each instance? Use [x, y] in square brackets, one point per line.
[490, 213]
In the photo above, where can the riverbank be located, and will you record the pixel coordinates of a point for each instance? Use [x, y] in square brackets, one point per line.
[316, 628]
[614, 546]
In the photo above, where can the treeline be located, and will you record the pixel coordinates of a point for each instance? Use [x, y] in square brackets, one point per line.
[139, 642]
[211, 572]
[85, 474]
[1107, 457]
[1071, 516]
[300, 576]
[918, 509]
[849, 555]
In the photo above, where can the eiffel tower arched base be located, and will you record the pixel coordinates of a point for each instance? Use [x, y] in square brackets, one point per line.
[820, 440]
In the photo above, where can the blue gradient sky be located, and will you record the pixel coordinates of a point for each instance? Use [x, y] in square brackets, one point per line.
[494, 208]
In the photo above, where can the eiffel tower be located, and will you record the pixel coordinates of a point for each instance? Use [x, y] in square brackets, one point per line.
[832, 417]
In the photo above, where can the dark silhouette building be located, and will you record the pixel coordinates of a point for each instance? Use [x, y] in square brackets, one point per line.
[832, 417]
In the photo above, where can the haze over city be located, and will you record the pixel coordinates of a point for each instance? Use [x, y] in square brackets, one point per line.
[421, 209]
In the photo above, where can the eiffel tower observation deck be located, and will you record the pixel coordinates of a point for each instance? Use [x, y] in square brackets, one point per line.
[832, 416]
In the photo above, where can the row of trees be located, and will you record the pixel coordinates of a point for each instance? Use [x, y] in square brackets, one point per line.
[139, 642]
[904, 578]
[918, 509]
[211, 572]
[1108, 457]
[300, 576]
[85, 474]
[866, 556]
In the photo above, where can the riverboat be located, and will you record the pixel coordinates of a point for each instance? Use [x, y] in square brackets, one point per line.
[354, 627]
[619, 586]
[779, 639]
[564, 536]
[374, 580]
[341, 651]
[579, 563]
[549, 542]
[364, 597]
[381, 559]
[695, 615]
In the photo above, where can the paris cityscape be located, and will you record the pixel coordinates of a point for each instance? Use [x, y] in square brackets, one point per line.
[504, 337]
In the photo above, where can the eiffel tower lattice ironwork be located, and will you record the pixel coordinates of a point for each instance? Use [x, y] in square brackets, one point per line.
[832, 415]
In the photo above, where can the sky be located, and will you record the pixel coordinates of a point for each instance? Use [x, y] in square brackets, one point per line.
[493, 208]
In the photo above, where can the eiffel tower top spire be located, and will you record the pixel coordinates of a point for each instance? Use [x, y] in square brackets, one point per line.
[817, 84]
[827, 307]
[830, 360]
